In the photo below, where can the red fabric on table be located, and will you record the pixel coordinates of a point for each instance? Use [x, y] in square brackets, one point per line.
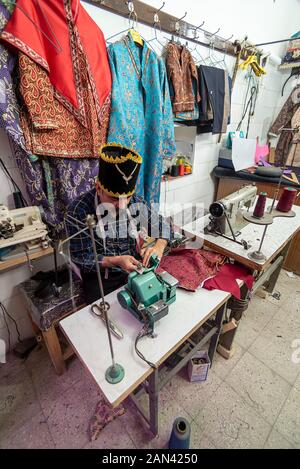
[50, 32]
[191, 266]
[226, 280]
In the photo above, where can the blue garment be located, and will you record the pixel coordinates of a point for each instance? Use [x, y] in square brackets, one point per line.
[141, 112]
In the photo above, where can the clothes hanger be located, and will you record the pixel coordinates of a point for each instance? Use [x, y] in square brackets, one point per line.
[195, 49]
[223, 61]
[212, 61]
[132, 21]
[132, 29]
[209, 59]
[177, 32]
[156, 26]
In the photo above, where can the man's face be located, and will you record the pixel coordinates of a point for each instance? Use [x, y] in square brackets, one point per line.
[118, 203]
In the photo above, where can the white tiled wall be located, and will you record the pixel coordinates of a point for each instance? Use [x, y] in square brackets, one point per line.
[265, 21]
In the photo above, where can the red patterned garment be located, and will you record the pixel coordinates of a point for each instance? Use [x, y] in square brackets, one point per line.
[49, 128]
[191, 267]
[69, 48]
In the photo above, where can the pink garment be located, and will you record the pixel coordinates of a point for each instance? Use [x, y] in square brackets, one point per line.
[191, 267]
[226, 280]
[262, 151]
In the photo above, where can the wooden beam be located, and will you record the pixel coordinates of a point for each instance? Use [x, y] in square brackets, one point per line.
[145, 15]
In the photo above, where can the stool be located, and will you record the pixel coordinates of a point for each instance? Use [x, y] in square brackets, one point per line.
[45, 314]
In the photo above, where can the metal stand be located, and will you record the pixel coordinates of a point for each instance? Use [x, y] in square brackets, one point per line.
[266, 220]
[258, 255]
[115, 373]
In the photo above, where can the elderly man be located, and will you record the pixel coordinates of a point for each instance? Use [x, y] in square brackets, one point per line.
[123, 222]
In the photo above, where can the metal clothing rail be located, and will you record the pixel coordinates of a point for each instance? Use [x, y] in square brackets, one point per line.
[148, 15]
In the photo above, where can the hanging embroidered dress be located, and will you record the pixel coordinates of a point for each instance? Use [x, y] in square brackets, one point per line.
[9, 107]
[51, 183]
[141, 112]
[65, 77]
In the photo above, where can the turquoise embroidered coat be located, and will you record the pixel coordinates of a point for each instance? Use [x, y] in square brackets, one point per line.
[141, 112]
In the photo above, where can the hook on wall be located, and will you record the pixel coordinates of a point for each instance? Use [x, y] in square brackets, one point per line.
[132, 17]
[214, 34]
[228, 39]
[196, 29]
[161, 7]
[156, 17]
[177, 24]
[130, 5]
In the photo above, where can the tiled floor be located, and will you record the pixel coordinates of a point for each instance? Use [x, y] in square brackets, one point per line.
[250, 401]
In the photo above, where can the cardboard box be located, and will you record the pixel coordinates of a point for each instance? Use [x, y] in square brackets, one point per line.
[198, 367]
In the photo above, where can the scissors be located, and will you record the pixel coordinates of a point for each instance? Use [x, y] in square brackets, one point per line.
[96, 309]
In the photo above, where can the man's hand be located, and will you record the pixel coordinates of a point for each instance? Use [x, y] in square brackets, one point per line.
[157, 249]
[128, 263]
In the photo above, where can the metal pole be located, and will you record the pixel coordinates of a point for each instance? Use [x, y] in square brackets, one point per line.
[91, 224]
[275, 42]
[263, 238]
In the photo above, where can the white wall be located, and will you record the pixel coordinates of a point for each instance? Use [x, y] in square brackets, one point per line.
[262, 21]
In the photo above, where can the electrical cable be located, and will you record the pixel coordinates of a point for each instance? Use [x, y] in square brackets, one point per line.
[15, 185]
[250, 103]
[145, 332]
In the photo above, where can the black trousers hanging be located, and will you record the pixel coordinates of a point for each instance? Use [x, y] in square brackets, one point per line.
[215, 90]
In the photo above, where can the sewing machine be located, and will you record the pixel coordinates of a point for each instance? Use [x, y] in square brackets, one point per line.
[148, 294]
[226, 215]
[22, 226]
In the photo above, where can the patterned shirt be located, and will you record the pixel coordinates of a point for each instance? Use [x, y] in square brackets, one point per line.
[115, 233]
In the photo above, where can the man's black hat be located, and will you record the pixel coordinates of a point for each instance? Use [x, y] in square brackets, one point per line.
[118, 170]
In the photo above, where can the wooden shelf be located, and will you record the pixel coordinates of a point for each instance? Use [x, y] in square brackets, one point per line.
[172, 178]
[17, 262]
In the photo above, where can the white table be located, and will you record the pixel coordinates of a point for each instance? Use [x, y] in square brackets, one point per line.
[278, 239]
[88, 336]
[278, 235]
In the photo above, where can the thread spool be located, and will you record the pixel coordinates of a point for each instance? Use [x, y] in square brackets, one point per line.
[259, 210]
[287, 199]
[181, 434]
[181, 170]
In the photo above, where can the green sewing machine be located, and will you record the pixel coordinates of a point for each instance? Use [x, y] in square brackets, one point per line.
[148, 294]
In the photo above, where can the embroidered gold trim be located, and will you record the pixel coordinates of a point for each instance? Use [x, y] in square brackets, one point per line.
[135, 157]
[114, 194]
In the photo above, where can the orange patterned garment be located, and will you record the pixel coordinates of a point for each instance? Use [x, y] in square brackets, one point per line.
[49, 128]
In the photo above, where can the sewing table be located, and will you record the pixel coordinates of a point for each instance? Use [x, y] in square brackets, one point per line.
[192, 312]
[278, 240]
